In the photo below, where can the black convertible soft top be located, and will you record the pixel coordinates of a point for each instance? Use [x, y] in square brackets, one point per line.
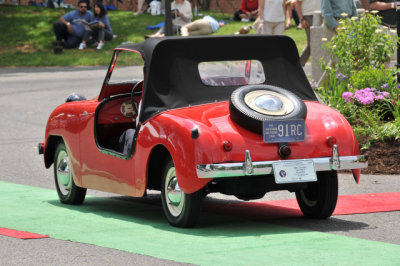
[171, 76]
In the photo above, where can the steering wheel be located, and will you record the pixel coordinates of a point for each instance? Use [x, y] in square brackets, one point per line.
[136, 93]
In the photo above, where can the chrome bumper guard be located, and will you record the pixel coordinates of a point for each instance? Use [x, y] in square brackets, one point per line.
[249, 168]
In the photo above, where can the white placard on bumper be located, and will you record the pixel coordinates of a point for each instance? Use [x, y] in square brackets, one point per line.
[294, 171]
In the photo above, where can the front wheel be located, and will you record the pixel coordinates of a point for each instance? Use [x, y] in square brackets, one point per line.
[67, 191]
[181, 209]
[319, 199]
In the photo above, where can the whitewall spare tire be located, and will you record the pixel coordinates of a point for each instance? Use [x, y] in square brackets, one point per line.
[251, 105]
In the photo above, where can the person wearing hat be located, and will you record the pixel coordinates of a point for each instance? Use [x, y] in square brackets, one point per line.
[203, 26]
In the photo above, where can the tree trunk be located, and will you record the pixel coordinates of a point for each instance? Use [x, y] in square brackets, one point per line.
[205, 4]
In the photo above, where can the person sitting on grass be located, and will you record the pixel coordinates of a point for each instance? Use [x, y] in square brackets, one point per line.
[99, 29]
[203, 26]
[248, 11]
[181, 11]
[69, 30]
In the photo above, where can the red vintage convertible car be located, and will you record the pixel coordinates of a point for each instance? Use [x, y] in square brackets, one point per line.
[228, 114]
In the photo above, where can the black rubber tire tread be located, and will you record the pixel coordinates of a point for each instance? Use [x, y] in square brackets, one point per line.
[77, 195]
[252, 120]
[191, 209]
[326, 190]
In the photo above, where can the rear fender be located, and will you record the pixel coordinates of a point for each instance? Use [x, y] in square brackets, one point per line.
[174, 133]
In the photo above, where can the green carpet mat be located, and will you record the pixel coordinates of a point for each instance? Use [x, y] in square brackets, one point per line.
[141, 228]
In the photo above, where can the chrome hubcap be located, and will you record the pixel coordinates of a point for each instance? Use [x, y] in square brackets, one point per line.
[269, 102]
[64, 176]
[173, 194]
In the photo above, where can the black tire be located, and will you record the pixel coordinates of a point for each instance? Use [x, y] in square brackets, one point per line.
[67, 191]
[319, 199]
[249, 118]
[180, 209]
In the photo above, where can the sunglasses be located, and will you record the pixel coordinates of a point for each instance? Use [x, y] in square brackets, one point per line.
[82, 6]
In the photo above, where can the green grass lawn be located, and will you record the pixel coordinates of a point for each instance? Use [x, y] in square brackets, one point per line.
[27, 36]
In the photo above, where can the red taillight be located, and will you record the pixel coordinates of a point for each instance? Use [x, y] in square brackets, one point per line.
[330, 141]
[227, 145]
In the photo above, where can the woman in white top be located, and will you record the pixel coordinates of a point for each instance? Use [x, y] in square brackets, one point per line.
[271, 17]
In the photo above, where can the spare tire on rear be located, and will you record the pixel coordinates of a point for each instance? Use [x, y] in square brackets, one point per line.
[251, 105]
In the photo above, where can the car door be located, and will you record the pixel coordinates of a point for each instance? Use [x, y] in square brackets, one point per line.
[103, 166]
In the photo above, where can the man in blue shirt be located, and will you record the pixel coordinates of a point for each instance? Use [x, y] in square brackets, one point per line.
[69, 30]
[332, 10]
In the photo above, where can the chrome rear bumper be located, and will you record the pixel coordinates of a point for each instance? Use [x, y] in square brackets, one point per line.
[249, 168]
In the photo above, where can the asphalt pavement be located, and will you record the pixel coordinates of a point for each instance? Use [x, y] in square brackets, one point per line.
[27, 97]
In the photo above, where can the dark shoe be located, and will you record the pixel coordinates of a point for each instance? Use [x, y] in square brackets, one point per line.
[58, 43]
[58, 49]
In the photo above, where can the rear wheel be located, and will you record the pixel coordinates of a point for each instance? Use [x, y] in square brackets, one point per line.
[181, 209]
[67, 191]
[319, 199]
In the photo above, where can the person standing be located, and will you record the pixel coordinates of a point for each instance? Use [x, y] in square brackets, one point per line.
[387, 10]
[69, 29]
[271, 17]
[332, 11]
[289, 8]
[305, 10]
[141, 7]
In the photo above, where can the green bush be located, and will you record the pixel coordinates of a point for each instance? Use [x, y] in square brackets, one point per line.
[361, 42]
[376, 131]
[361, 88]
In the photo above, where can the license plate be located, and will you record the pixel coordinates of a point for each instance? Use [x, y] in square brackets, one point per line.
[294, 171]
[283, 130]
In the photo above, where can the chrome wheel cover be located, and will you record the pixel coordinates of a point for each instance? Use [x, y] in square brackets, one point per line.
[174, 196]
[63, 172]
[269, 102]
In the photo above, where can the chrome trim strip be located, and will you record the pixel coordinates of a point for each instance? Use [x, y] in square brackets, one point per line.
[221, 170]
[335, 162]
[248, 164]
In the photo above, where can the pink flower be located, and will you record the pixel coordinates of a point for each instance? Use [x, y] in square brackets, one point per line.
[365, 96]
[385, 94]
[347, 96]
[366, 100]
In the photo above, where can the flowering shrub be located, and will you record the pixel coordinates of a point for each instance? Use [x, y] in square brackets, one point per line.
[365, 97]
[360, 87]
[361, 42]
